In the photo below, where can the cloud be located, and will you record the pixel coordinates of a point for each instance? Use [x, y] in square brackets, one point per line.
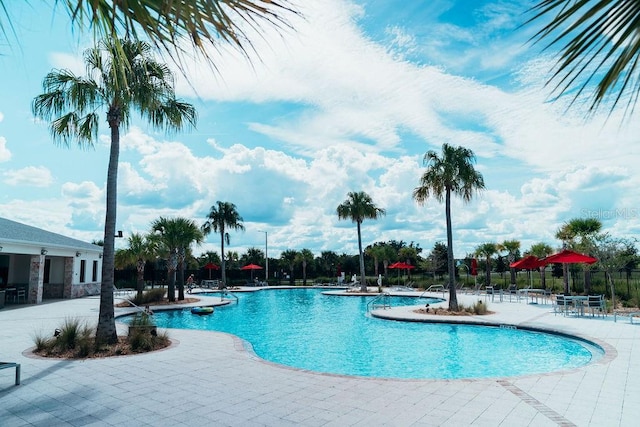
[32, 176]
[5, 154]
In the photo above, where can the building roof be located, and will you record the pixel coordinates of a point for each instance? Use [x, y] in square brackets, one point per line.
[11, 231]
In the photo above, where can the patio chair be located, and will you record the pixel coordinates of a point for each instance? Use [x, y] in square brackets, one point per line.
[21, 293]
[596, 303]
[513, 292]
[562, 305]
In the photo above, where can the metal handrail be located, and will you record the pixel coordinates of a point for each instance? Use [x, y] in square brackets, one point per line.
[227, 293]
[384, 296]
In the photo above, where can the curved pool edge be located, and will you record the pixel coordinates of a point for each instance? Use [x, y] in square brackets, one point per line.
[609, 352]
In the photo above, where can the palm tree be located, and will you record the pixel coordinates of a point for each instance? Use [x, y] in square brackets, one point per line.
[167, 25]
[585, 229]
[487, 250]
[375, 251]
[358, 207]
[598, 43]
[176, 236]
[290, 256]
[117, 83]
[223, 216]
[512, 247]
[305, 256]
[450, 173]
[541, 250]
[140, 249]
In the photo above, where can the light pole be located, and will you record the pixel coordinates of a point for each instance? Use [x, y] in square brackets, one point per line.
[266, 256]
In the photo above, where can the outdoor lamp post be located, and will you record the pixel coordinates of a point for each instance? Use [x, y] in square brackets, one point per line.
[266, 255]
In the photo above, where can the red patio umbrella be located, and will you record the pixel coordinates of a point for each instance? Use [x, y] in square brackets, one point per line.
[211, 266]
[569, 257]
[251, 267]
[401, 266]
[530, 262]
[474, 267]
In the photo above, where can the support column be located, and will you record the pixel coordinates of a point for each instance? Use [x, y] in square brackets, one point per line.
[36, 279]
[68, 277]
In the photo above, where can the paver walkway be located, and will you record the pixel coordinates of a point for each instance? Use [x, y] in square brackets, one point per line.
[207, 378]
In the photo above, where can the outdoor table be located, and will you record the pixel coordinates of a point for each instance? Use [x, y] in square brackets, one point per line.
[578, 302]
[534, 293]
[11, 293]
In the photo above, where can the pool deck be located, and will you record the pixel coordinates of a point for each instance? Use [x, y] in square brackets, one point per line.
[208, 378]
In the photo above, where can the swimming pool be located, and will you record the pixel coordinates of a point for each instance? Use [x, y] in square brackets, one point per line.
[305, 329]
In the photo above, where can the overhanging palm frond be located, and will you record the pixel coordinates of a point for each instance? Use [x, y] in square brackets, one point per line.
[599, 48]
[166, 24]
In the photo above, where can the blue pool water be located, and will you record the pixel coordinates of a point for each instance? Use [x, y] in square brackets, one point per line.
[305, 329]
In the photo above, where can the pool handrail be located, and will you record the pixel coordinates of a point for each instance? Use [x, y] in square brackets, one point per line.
[385, 296]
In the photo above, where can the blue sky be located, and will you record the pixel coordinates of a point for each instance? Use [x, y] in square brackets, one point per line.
[348, 101]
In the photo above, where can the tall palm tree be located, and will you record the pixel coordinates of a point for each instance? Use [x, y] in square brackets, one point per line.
[290, 256]
[117, 83]
[512, 247]
[223, 216]
[304, 257]
[578, 234]
[598, 42]
[358, 207]
[176, 236]
[452, 172]
[487, 250]
[140, 249]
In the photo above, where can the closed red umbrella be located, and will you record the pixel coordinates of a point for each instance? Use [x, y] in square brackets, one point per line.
[474, 267]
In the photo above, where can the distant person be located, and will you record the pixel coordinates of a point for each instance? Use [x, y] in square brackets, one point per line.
[189, 283]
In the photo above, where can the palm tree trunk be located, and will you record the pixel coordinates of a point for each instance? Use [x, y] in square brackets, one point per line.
[171, 288]
[106, 330]
[565, 277]
[181, 283]
[140, 268]
[587, 281]
[487, 271]
[304, 273]
[453, 297]
[363, 281]
[224, 265]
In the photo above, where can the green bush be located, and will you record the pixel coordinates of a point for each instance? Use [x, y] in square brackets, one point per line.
[150, 296]
[73, 333]
[477, 308]
[143, 335]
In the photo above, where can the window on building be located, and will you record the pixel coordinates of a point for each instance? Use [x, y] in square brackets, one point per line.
[83, 269]
[94, 274]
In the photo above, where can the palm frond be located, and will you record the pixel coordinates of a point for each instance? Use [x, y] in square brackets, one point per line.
[599, 42]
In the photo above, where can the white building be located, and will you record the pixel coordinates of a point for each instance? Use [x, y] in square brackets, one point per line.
[46, 265]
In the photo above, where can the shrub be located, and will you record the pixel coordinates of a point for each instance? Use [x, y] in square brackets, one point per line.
[143, 335]
[152, 295]
[73, 332]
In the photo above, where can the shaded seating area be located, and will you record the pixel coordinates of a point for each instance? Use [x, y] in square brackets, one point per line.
[16, 294]
[579, 305]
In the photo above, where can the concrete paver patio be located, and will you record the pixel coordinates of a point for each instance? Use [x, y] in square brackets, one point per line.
[208, 378]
